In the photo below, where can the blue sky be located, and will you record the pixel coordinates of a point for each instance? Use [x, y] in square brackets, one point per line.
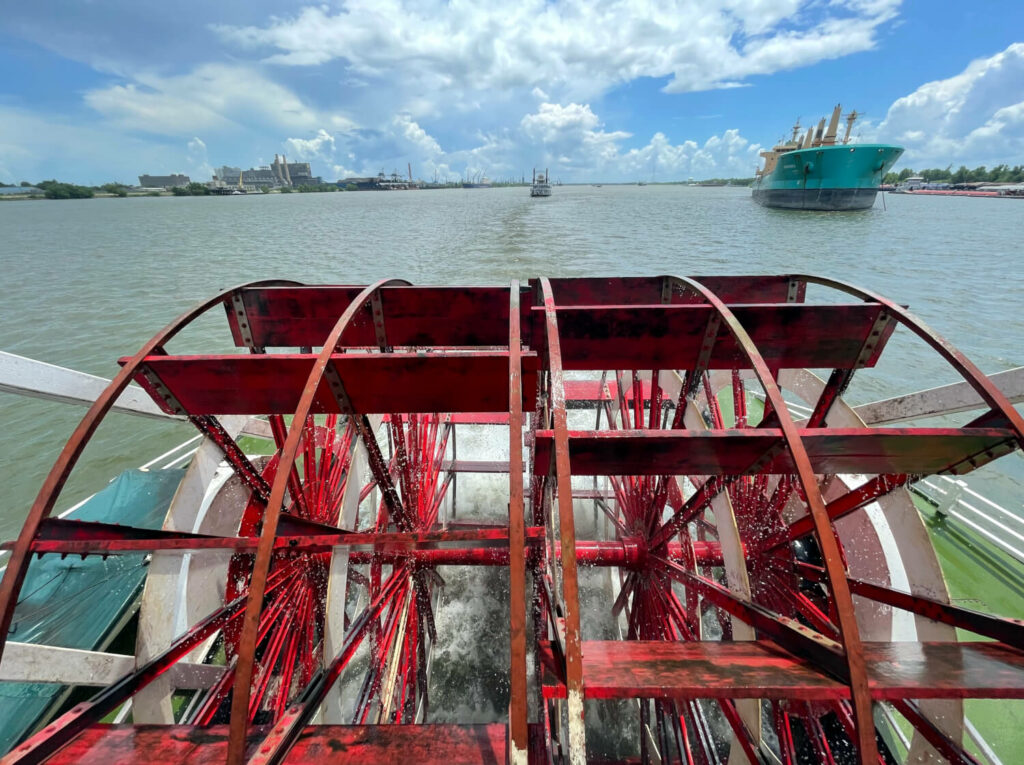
[612, 90]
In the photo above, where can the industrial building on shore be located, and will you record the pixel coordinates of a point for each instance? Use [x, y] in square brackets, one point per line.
[163, 181]
[280, 174]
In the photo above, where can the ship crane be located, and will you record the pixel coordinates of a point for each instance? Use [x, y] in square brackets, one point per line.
[850, 119]
[833, 126]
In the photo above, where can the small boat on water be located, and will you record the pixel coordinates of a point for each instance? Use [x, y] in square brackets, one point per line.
[478, 181]
[541, 187]
[818, 172]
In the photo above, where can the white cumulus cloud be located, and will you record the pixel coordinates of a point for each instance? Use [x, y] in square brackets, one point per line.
[210, 98]
[320, 146]
[571, 137]
[567, 47]
[973, 118]
[422, 142]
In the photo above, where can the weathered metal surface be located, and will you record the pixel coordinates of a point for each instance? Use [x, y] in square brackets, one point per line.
[428, 744]
[735, 452]
[671, 337]
[31, 663]
[944, 400]
[843, 606]
[517, 715]
[646, 290]
[944, 670]
[376, 383]
[149, 743]
[707, 670]
[247, 642]
[28, 377]
[567, 628]
[351, 744]
[425, 317]
[761, 669]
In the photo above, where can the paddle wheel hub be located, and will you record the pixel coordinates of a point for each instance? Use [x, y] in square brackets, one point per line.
[768, 591]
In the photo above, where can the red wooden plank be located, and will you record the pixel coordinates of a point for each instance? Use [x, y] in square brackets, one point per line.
[749, 289]
[944, 671]
[731, 452]
[735, 670]
[590, 391]
[761, 669]
[132, 744]
[479, 418]
[472, 418]
[354, 745]
[293, 317]
[376, 383]
[789, 336]
[648, 289]
[420, 744]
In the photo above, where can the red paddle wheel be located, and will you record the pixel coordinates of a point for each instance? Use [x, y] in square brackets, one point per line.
[773, 595]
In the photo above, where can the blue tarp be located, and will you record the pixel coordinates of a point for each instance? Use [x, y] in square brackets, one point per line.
[75, 603]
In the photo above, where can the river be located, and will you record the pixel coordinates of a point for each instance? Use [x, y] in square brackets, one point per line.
[86, 282]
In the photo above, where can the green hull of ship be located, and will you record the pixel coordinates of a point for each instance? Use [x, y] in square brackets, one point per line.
[840, 177]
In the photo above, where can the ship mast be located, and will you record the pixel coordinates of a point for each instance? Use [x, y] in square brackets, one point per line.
[850, 119]
[833, 126]
[819, 133]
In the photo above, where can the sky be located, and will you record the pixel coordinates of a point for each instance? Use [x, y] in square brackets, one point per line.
[595, 90]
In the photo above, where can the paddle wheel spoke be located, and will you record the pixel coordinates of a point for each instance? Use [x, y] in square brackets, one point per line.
[289, 637]
[394, 687]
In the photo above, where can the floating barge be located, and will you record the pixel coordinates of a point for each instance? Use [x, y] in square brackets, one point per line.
[773, 592]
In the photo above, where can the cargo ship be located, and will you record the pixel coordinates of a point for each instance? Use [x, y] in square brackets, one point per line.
[818, 172]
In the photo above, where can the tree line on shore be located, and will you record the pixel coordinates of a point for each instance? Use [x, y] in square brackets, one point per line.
[54, 189]
[998, 174]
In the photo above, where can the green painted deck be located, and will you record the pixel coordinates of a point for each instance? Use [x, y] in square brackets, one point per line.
[982, 577]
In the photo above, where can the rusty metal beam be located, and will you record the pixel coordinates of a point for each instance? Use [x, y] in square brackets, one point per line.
[567, 532]
[517, 716]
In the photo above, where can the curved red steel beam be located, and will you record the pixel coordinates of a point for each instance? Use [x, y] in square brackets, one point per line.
[517, 714]
[563, 477]
[17, 564]
[834, 567]
[265, 549]
[984, 387]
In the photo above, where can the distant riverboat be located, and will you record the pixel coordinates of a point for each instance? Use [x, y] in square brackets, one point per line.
[540, 187]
